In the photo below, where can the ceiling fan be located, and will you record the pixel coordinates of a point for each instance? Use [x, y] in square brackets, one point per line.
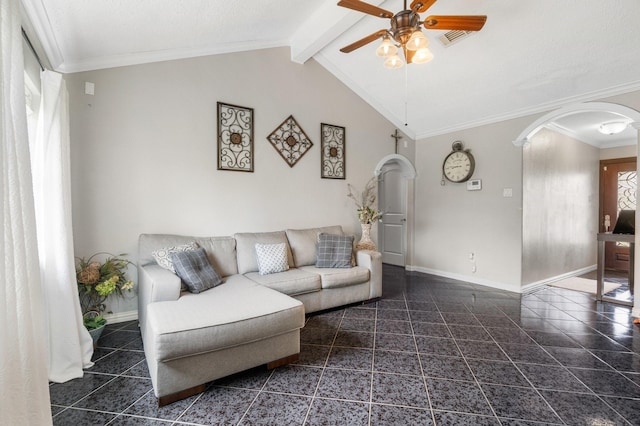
[405, 30]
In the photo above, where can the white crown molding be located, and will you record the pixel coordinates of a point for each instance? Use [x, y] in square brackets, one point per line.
[358, 90]
[545, 107]
[573, 108]
[523, 112]
[34, 11]
[163, 55]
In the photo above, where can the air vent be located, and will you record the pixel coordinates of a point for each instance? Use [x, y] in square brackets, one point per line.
[453, 36]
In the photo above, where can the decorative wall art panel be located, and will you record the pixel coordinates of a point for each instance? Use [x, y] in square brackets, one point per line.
[235, 138]
[290, 141]
[332, 157]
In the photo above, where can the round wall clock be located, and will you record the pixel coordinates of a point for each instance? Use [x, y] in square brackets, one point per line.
[458, 166]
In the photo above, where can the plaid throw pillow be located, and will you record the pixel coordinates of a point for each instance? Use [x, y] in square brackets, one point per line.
[334, 251]
[195, 271]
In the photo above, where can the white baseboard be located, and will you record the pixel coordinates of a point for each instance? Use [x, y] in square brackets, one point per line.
[465, 278]
[536, 285]
[118, 317]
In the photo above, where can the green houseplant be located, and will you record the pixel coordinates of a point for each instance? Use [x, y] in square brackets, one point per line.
[96, 281]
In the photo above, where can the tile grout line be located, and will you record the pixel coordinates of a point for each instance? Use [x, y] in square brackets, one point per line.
[326, 361]
[415, 343]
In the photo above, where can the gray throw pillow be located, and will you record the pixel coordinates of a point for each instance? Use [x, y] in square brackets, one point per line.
[334, 251]
[195, 271]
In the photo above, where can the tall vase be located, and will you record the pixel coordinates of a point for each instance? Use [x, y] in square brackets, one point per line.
[366, 243]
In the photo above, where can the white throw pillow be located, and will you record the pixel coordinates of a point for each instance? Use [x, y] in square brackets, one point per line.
[163, 255]
[272, 258]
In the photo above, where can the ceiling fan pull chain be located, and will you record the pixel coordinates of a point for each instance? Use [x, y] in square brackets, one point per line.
[406, 96]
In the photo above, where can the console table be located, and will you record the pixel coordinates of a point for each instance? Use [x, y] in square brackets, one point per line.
[625, 238]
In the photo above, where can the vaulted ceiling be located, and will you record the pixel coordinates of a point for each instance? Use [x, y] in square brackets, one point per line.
[531, 56]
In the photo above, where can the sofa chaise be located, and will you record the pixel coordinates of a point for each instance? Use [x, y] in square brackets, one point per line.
[251, 318]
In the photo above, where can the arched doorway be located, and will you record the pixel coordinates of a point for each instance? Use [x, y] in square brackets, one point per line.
[542, 230]
[395, 195]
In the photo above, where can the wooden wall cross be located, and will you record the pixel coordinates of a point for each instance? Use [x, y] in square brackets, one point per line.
[397, 137]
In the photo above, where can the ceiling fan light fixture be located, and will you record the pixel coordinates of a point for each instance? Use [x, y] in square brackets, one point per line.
[393, 62]
[386, 48]
[417, 41]
[612, 127]
[422, 56]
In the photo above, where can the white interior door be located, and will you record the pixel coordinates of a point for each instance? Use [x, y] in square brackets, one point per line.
[392, 230]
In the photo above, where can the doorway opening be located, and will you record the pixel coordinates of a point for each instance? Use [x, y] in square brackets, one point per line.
[561, 164]
[395, 198]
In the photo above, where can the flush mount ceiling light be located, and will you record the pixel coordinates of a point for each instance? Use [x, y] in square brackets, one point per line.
[612, 127]
[405, 31]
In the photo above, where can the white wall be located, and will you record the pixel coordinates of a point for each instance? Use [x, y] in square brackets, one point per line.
[560, 206]
[618, 152]
[452, 222]
[144, 150]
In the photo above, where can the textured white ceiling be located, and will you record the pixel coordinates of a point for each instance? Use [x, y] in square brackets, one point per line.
[531, 56]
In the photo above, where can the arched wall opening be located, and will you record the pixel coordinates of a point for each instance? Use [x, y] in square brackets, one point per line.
[396, 177]
[560, 196]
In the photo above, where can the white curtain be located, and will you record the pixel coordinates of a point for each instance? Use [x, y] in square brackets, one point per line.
[70, 345]
[24, 388]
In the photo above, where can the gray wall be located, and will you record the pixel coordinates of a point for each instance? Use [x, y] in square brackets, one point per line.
[143, 160]
[452, 222]
[144, 150]
[560, 206]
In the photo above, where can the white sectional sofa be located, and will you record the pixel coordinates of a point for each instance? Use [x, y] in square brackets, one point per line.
[248, 320]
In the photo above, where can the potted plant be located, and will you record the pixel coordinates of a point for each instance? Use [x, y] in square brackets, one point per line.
[367, 213]
[97, 281]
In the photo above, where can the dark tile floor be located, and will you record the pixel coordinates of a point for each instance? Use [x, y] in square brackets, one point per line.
[432, 351]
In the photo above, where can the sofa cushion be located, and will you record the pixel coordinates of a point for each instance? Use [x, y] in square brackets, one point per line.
[272, 258]
[304, 243]
[221, 251]
[339, 277]
[195, 271]
[292, 282]
[233, 313]
[246, 248]
[334, 251]
[163, 255]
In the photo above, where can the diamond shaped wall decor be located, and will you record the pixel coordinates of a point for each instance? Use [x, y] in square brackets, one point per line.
[290, 141]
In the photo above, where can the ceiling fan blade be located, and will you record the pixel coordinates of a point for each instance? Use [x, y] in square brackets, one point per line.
[363, 7]
[366, 40]
[455, 22]
[420, 6]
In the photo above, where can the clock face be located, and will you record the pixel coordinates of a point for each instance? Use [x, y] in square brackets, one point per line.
[458, 166]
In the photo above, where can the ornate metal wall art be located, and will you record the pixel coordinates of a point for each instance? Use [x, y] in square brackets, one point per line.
[290, 141]
[235, 138]
[332, 159]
